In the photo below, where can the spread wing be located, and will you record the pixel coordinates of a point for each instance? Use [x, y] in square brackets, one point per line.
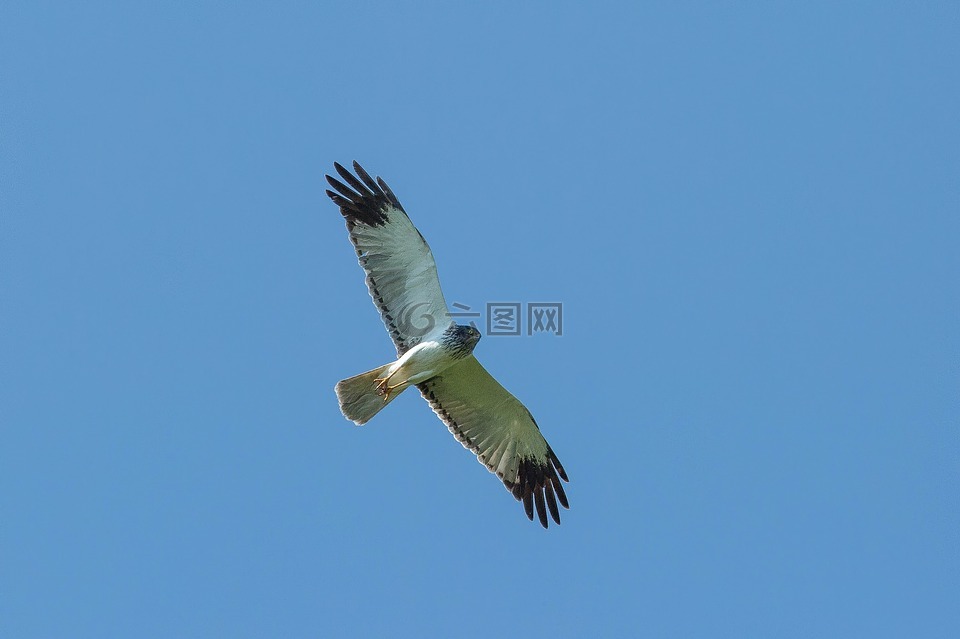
[492, 423]
[401, 273]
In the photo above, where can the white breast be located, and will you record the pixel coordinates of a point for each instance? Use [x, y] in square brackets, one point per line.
[423, 361]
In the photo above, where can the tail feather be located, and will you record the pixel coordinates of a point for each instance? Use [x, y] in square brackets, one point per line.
[358, 396]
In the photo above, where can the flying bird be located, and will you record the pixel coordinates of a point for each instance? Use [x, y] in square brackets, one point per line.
[434, 353]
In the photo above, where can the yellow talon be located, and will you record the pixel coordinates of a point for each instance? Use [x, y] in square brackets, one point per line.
[384, 389]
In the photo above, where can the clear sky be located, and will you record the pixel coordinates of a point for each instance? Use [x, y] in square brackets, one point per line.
[749, 213]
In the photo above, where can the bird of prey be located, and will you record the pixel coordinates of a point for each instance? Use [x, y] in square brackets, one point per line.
[434, 353]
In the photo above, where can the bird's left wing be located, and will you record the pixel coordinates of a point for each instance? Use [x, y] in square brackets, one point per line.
[401, 273]
[492, 423]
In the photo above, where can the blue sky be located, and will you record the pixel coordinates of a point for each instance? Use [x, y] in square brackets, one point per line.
[748, 211]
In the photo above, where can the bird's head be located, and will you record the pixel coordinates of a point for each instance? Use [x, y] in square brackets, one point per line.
[468, 334]
[460, 340]
[473, 335]
[466, 337]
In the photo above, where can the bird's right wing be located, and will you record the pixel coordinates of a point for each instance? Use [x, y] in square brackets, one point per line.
[401, 273]
[492, 423]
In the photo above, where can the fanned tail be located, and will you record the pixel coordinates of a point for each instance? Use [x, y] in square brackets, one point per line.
[358, 396]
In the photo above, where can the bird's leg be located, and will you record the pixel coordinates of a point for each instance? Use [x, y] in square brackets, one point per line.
[381, 383]
[383, 386]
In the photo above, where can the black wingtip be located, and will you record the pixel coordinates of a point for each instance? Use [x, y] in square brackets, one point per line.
[552, 456]
[355, 184]
[552, 501]
[558, 488]
[362, 201]
[538, 486]
[541, 507]
[369, 181]
[389, 194]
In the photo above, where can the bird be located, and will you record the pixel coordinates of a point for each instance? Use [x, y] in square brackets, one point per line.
[434, 353]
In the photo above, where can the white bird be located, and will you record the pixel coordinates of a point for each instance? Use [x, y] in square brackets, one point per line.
[434, 353]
